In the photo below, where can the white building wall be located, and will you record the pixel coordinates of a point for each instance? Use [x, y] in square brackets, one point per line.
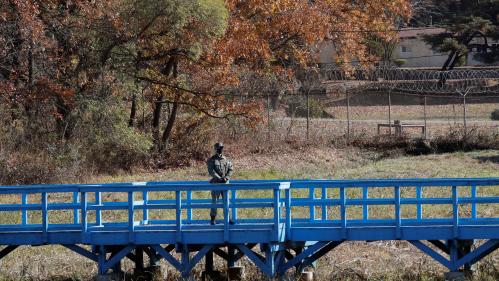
[414, 51]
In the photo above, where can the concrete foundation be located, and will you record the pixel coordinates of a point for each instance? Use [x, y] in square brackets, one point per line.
[212, 276]
[113, 276]
[307, 276]
[455, 276]
[149, 273]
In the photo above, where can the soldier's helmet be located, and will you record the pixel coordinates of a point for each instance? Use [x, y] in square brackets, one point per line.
[218, 145]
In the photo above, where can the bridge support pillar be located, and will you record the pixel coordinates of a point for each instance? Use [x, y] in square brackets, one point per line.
[209, 272]
[235, 273]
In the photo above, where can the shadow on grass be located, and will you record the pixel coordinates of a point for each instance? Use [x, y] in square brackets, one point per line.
[487, 159]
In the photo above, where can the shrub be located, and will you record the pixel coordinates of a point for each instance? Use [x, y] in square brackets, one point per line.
[495, 115]
[109, 143]
[452, 141]
[192, 141]
[298, 107]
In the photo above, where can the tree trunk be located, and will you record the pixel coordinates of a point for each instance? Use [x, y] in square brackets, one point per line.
[133, 111]
[64, 124]
[171, 121]
[449, 60]
[456, 59]
[157, 117]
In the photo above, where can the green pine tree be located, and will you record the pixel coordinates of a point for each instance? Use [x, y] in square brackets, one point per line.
[464, 21]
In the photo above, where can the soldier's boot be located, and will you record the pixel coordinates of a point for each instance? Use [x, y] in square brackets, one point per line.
[212, 222]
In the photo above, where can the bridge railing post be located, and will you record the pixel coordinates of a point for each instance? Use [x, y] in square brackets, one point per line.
[311, 196]
[398, 217]
[145, 211]
[288, 213]
[277, 213]
[189, 209]
[324, 206]
[225, 197]
[84, 205]
[98, 212]
[178, 214]
[365, 206]
[24, 213]
[131, 220]
[419, 206]
[233, 198]
[473, 205]
[455, 211]
[45, 216]
[343, 212]
[75, 210]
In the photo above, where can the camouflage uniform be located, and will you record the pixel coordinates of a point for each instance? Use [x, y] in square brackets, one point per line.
[219, 167]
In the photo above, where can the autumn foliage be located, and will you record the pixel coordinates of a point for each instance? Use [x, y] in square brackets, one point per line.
[171, 58]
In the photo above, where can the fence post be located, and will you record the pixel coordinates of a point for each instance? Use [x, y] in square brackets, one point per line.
[464, 115]
[425, 118]
[390, 111]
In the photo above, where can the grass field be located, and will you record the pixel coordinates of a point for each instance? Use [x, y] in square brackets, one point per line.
[413, 112]
[389, 260]
[364, 120]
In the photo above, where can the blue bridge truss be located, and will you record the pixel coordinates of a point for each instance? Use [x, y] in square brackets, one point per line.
[278, 225]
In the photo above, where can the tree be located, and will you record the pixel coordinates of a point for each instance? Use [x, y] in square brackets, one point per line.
[464, 21]
[37, 67]
[184, 53]
[263, 36]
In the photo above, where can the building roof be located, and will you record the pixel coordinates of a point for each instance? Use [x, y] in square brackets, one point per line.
[414, 32]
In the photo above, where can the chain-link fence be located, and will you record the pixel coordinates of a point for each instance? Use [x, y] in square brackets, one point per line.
[319, 116]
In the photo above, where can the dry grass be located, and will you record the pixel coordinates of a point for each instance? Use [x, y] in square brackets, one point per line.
[386, 260]
[412, 112]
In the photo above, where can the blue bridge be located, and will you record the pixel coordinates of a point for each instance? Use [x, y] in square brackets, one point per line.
[278, 225]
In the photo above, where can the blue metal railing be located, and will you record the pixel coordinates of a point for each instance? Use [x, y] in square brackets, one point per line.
[178, 196]
[332, 211]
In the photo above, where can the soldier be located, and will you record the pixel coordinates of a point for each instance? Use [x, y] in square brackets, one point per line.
[220, 170]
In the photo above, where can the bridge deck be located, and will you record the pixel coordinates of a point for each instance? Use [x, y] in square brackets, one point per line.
[278, 215]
